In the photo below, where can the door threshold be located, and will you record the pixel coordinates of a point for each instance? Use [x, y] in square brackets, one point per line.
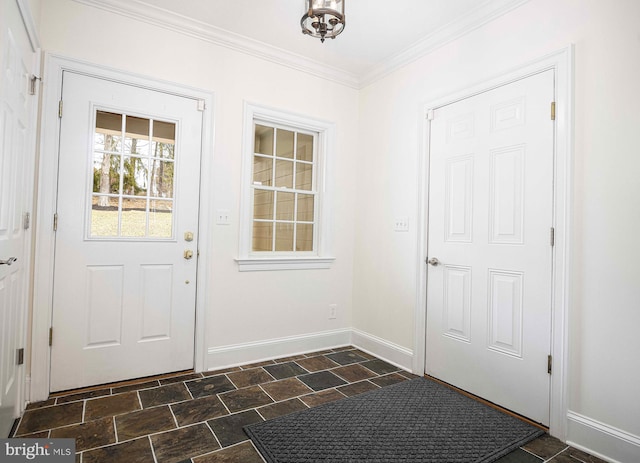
[128, 382]
[489, 404]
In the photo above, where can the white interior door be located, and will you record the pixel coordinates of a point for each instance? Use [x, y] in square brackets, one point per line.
[16, 185]
[126, 240]
[490, 218]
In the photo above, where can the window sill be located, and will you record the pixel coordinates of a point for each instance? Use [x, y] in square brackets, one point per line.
[283, 263]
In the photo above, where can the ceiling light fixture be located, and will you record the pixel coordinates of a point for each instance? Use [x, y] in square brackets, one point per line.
[324, 19]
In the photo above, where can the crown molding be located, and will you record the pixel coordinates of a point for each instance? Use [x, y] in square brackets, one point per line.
[484, 13]
[160, 17]
[138, 10]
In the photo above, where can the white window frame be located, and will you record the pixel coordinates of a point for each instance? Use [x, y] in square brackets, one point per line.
[321, 257]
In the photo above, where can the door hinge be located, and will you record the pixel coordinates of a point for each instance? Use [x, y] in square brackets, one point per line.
[552, 236]
[20, 356]
[51, 336]
[549, 361]
[60, 109]
[32, 84]
[26, 221]
[553, 110]
[201, 105]
[55, 222]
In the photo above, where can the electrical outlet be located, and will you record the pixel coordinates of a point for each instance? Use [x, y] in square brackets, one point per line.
[333, 311]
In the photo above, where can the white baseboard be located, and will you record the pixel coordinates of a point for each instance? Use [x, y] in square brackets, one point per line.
[601, 440]
[385, 350]
[240, 354]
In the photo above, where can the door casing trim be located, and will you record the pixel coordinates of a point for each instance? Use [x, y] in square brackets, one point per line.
[561, 62]
[47, 182]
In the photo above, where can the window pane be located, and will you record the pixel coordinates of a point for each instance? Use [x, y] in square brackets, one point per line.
[304, 176]
[164, 140]
[104, 216]
[263, 140]
[106, 173]
[263, 204]
[160, 219]
[109, 131]
[136, 136]
[284, 174]
[262, 236]
[284, 237]
[161, 179]
[134, 217]
[304, 237]
[305, 208]
[284, 143]
[285, 206]
[134, 180]
[304, 151]
[262, 170]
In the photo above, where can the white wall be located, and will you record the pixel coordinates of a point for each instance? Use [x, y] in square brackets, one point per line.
[244, 307]
[605, 304]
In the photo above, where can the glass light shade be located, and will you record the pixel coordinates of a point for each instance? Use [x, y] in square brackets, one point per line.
[324, 19]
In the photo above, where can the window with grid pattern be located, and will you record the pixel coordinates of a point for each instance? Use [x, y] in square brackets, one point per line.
[284, 190]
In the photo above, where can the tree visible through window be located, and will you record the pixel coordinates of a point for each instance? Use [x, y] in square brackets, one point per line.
[284, 190]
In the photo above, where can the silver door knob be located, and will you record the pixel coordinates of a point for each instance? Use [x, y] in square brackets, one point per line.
[9, 261]
[433, 261]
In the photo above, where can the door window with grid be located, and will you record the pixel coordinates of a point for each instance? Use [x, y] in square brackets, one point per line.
[283, 189]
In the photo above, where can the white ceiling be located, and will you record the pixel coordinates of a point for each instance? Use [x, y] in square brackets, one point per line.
[380, 35]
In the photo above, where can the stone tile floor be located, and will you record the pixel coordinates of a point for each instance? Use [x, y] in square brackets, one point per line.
[198, 418]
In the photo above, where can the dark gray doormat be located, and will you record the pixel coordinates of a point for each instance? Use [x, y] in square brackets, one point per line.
[409, 422]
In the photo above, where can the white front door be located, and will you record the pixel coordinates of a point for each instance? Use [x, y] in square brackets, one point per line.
[16, 188]
[126, 240]
[490, 218]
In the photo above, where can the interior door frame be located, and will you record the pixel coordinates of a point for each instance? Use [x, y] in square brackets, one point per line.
[561, 62]
[54, 67]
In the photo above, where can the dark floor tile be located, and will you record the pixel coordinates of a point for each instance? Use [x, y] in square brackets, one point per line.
[221, 371]
[388, 380]
[241, 453]
[322, 397]
[111, 405]
[83, 395]
[321, 380]
[346, 357]
[581, 456]
[228, 429]
[285, 370]
[88, 435]
[136, 387]
[135, 451]
[248, 378]
[177, 379]
[407, 374]
[317, 363]
[242, 399]
[380, 367]
[257, 364]
[563, 457]
[286, 389]
[519, 456]
[40, 419]
[209, 386]
[168, 394]
[364, 354]
[269, 412]
[545, 446]
[36, 435]
[181, 444]
[198, 410]
[44, 403]
[343, 348]
[353, 373]
[143, 422]
[357, 388]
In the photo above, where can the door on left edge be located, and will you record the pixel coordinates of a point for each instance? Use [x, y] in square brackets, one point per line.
[126, 240]
[17, 61]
